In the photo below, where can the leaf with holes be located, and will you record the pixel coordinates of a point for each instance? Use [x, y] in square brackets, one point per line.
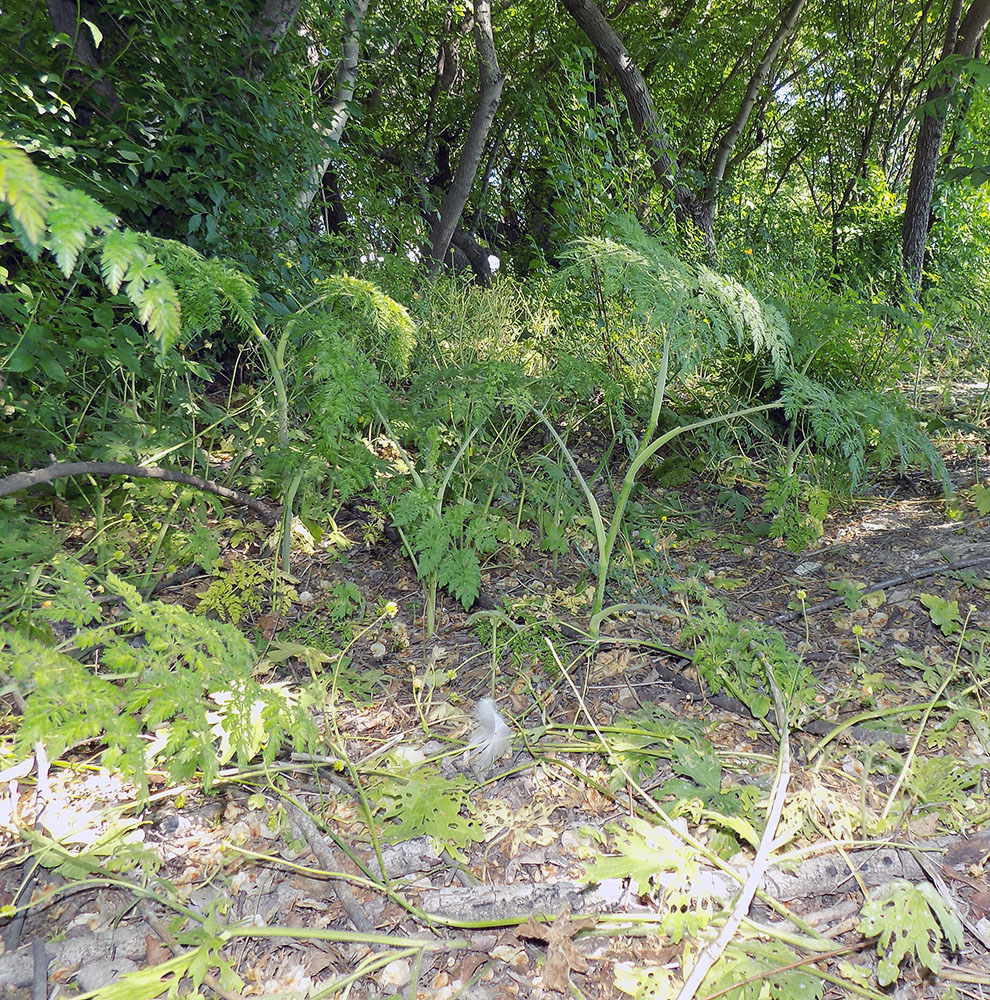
[424, 804]
[641, 855]
[761, 969]
[908, 920]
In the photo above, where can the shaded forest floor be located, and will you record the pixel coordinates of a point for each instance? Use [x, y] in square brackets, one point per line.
[472, 861]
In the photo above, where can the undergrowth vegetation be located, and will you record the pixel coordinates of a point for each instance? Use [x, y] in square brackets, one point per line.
[549, 416]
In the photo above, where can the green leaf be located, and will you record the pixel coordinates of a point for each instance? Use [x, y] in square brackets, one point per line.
[981, 497]
[119, 251]
[426, 804]
[431, 542]
[460, 573]
[641, 855]
[943, 613]
[23, 188]
[94, 31]
[760, 969]
[909, 920]
[72, 219]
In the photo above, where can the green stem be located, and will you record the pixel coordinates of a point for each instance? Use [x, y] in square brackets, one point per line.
[275, 361]
[287, 501]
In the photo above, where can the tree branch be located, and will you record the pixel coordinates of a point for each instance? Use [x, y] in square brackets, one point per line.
[268, 514]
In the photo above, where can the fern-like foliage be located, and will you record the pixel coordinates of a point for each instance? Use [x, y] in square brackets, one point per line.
[339, 392]
[173, 288]
[172, 690]
[126, 263]
[383, 327]
[73, 218]
[735, 656]
[466, 396]
[855, 425]
[702, 311]
[209, 290]
[23, 189]
[738, 311]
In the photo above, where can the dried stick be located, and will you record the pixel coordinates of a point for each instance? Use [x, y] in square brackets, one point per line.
[59, 470]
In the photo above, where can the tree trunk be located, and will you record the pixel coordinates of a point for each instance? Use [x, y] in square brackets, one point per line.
[609, 45]
[490, 82]
[756, 83]
[917, 211]
[67, 20]
[646, 123]
[275, 20]
[354, 15]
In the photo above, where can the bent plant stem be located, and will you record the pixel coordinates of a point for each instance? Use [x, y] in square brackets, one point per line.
[276, 362]
[605, 539]
[643, 455]
[287, 500]
[276, 366]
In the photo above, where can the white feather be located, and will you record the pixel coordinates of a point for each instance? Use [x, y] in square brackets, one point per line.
[491, 736]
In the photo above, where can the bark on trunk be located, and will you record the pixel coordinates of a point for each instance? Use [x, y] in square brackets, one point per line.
[646, 123]
[609, 45]
[276, 19]
[759, 78]
[699, 212]
[66, 20]
[490, 82]
[347, 71]
[917, 211]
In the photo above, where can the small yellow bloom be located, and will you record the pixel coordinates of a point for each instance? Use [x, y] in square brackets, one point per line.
[747, 250]
[391, 609]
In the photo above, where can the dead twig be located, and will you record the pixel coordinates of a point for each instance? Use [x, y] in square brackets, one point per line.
[307, 830]
[894, 581]
[267, 514]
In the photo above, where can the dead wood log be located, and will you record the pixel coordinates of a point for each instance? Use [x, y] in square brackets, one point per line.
[804, 888]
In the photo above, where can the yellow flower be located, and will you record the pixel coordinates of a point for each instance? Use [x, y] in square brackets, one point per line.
[747, 250]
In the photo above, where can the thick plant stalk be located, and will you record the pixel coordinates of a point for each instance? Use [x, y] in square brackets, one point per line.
[605, 539]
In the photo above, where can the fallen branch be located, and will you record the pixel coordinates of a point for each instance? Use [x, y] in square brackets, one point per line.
[894, 581]
[268, 514]
[815, 878]
[308, 831]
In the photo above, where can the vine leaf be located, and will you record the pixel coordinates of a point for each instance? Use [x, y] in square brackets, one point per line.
[943, 613]
[426, 804]
[909, 920]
